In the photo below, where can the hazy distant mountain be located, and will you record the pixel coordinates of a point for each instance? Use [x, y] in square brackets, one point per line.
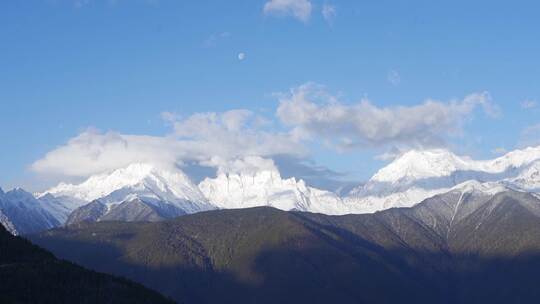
[21, 213]
[478, 243]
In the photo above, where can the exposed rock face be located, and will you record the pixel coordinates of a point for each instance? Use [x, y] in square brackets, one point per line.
[91, 212]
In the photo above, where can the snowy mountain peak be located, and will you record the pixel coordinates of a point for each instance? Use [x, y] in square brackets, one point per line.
[260, 178]
[23, 213]
[268, 188]
[162, 187]
[515, 159]
[417, 164]
[164, 192]
[138, 174]
[489, 188]
[528, 178]
[417, 175]
[21, 196]
[421, 164]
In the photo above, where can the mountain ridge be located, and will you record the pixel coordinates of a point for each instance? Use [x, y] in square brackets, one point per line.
[162, 192]
[465, 246]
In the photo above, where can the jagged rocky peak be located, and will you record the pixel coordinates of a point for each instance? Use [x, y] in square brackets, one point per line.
[262, 178]
[267, 187]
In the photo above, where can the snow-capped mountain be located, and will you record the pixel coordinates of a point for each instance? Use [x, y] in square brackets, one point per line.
[160, 188]
[22, 213]
[417, 175]
[528, 178]
[169, 182]
[147, 192]
[268, 188]
[408, 180]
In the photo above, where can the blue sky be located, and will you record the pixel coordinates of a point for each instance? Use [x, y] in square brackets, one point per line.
[67, 67]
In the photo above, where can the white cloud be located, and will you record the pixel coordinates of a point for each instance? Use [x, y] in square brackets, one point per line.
[393, 77]
[314, 114]
[299, 9]
[242, 141]
[232, 134]
[233, 140]
[529, 104]
[329, 12]
[93, 151]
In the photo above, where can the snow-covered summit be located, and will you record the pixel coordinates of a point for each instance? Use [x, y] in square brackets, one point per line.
[268, 188]
[487, 188]
[408, 180]
[417, 164]
[528, 178]
[514, 159]
[165, 191]
[422, 164]
[100, 185]
[149, 182]
[417, 175]
[160, 179]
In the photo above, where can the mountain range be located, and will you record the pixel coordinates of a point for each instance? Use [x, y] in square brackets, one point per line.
[473, 244]
[430, 227]
[149, 192]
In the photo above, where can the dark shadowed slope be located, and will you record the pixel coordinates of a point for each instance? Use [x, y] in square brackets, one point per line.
[135, 210]
[459, 247]
[258, 255]
[29, 274]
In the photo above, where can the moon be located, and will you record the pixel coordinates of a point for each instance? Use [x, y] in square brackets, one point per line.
[241, 56]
